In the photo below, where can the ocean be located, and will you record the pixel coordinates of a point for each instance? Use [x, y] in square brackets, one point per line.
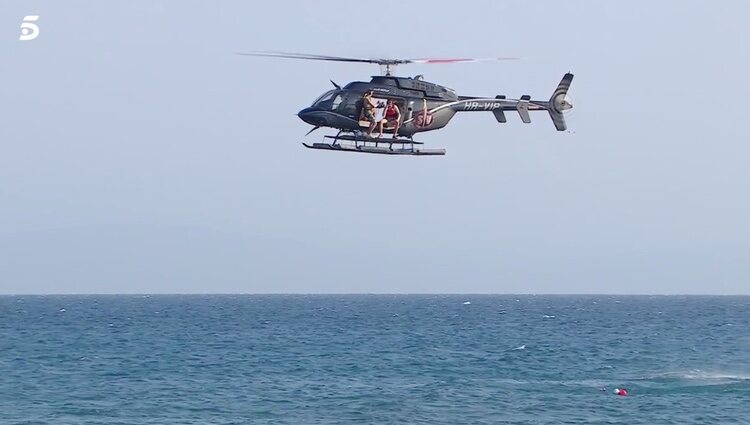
[374, 359]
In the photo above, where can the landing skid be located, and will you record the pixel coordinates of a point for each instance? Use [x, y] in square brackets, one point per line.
[383, 146]
[373, 149]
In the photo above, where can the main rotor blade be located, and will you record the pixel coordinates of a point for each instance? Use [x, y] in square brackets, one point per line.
[308, 56]
[457, 60]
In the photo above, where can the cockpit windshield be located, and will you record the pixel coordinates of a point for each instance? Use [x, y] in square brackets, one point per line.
[329, 100]
[324, 97]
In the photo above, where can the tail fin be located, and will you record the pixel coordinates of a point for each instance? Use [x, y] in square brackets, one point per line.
[558, 104]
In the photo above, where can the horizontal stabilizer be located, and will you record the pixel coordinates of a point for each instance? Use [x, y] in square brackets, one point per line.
[523, 111]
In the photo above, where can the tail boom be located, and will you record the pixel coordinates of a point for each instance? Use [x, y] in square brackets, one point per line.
[555, 106]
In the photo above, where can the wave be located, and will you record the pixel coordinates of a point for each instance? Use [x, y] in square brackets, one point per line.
[696, 377]
[698, 374]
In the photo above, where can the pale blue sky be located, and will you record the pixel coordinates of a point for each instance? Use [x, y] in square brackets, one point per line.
[139, 154]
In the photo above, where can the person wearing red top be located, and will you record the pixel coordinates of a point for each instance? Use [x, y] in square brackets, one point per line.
[392, 116]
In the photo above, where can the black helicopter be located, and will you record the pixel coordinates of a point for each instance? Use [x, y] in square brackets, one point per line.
[422, 106]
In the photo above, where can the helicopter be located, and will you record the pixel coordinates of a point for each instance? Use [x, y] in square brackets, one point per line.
[422, 106]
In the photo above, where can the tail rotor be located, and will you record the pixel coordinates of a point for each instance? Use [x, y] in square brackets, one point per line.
[560, 103]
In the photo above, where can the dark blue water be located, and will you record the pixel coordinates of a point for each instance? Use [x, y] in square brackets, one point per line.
[373, 359]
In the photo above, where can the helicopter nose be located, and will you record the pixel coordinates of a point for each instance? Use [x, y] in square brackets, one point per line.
[309, 116]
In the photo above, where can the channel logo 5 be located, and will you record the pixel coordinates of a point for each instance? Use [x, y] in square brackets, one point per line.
[29, 30]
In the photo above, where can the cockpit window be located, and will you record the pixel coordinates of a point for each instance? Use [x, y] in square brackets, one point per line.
[336, 101]
[324, 97]
[329, 101]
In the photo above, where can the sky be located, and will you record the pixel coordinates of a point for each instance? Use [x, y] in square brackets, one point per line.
[139, 154]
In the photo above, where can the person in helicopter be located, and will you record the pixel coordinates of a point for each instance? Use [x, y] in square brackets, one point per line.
[368, 111]
[392, 117]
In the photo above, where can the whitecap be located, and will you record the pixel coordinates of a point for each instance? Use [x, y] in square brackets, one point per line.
[467, 302]
[547, 316]
[522, 347]
[62, 310]
[701, 375]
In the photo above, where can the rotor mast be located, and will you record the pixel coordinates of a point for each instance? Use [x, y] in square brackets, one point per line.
[385, 69]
